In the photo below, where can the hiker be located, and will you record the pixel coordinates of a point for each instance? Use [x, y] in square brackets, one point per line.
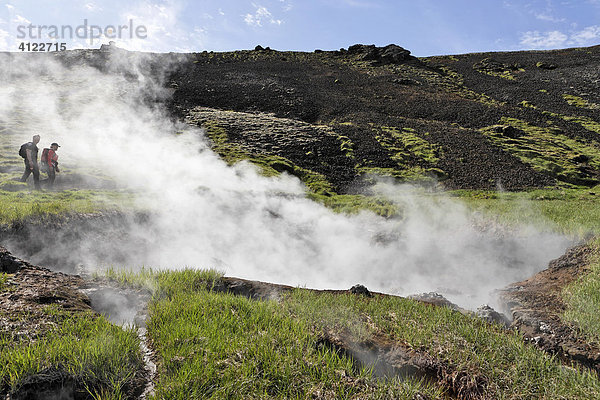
[49, 162]
[29, 152]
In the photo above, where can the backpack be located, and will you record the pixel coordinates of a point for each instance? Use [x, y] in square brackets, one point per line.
[23, 150]
[45, 156]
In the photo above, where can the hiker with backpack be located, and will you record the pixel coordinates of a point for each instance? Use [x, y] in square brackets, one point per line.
[49, 162]
[29, 152]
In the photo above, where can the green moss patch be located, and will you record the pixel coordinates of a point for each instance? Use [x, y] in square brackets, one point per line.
[448, 80]
[415, 156]
[320, 189]
[270, 165]
[577, 101]
[346, 146]
[547, 150]
[586, 122]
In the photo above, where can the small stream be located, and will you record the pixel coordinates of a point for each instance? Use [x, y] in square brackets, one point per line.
[127, 307]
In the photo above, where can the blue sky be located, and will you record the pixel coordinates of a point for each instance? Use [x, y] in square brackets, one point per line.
[425, 27]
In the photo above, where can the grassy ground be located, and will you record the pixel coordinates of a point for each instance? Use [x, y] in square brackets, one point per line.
[218, 346]
[23, 205]
[214, 345]
[18, 202]
[573, 212]
[85, 349]
[510, 368]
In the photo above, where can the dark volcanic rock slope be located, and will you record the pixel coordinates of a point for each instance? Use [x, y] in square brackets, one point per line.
[516, 120]
[519, 120]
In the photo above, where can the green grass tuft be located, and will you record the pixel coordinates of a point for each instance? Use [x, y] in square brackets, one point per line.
[512, 368]
[24, 205]
[353, 204]
[85, 349]
[215, 345]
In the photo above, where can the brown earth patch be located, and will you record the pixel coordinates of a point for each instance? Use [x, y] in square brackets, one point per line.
[28, 291]
[536, 306]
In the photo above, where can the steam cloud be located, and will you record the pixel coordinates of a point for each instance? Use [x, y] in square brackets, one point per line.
[204, 213]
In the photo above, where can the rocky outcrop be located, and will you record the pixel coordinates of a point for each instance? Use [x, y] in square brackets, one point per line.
[390, 54]
[8, 263]
[491, 65]
[488, 314]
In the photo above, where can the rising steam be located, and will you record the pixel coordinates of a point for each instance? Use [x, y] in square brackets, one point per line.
[203, 213]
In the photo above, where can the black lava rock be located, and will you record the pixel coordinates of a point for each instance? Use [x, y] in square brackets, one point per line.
[360, 289]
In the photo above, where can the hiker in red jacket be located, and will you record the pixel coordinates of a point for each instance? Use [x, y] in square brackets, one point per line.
[50, 163]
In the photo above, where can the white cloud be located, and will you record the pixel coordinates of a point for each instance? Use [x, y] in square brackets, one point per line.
[287, 5]
[587, 35]
[221, 12]
[548, 17]
[536, 39]
[165, 31]
[20, 20]
[555, 39]
[93, 7]
[4, 35]
[262, 15]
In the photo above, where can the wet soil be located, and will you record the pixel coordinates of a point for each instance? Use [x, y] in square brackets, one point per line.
[29, 290]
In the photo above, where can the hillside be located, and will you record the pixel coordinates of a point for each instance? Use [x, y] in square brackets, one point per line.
[178, 257]
[476, 121]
